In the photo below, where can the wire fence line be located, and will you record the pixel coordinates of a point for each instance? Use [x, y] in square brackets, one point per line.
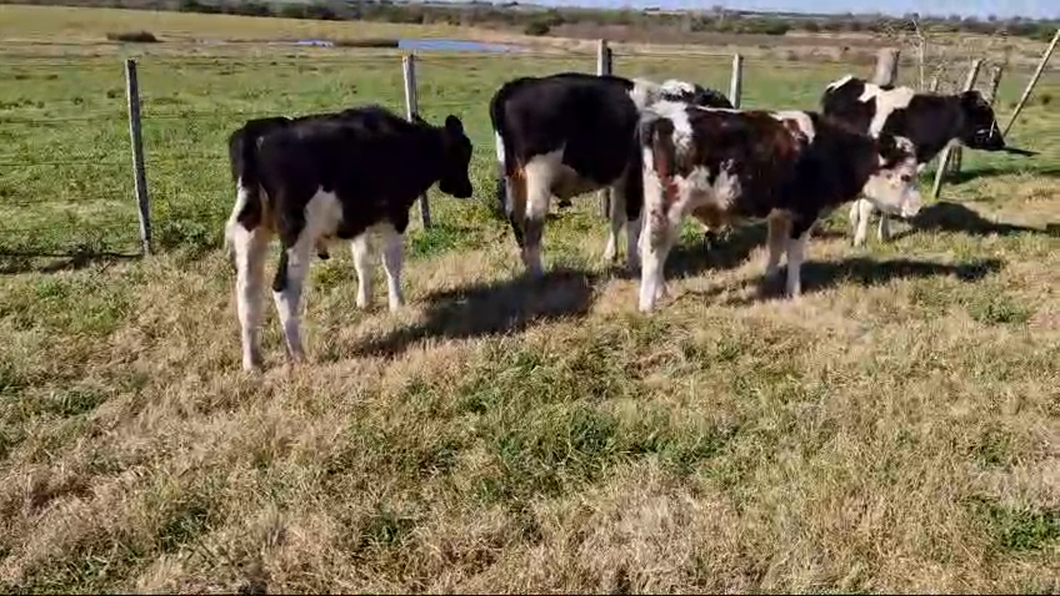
[102, 197]
[75, 186]
[118, 226]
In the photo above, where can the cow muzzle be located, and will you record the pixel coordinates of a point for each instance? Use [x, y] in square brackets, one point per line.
[911, 205]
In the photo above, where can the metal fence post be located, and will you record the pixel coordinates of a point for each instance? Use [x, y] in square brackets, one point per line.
[408, 64]
[736, 82]
[132, 93]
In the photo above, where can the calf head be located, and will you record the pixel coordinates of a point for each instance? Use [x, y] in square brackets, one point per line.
[456, 157]
[891, 186]
[980, 129]
[675, 90]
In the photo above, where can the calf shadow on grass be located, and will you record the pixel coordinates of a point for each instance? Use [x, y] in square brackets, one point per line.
[864, 272]
[724, 250]
[953, 217]
[13, 263]
[489, 308]
[992, 171]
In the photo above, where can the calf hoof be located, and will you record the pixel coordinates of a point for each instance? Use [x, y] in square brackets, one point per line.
[296, 359]
[252, 360]
[535, 274]
[711, 239]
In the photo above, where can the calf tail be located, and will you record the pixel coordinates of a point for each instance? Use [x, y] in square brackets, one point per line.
[243, 154]
[501, 191]
[634, 179]
[501, 138]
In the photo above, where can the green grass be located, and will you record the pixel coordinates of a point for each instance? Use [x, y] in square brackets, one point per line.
[895, 429]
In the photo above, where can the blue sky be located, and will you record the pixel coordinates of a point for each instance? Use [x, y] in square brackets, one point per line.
[979, 8]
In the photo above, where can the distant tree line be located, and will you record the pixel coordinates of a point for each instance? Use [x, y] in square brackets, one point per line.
[537, 21]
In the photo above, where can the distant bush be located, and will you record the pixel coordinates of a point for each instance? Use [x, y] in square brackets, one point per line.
[1046, 98]
[319, 12]
[366, 43]
[770, 26]
[196, 6]
[248, 9]
[1045, 32]
[133, 36]
[537, 28]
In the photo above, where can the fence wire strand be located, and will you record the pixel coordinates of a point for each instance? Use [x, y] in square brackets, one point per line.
[435, 67]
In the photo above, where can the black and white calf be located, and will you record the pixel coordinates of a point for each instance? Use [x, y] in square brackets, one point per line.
[790, 168]
[318, 178]
[567, 134]
[931, 121]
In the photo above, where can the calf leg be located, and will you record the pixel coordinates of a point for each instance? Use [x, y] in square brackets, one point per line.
[885, 227]
[515, 207]
[250, 248]
[656, 240]
[287, 291]
[538, 193]
[617, 214]
[392, 256]
[625, 211]
[633, 224]
[322, 250]
[779, 230]
[860, 214]
[796, 255]
[361, 249]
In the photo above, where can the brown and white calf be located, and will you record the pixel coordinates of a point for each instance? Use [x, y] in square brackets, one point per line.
[318, 178]
[572, 133]
[931, 121]
[790, 168]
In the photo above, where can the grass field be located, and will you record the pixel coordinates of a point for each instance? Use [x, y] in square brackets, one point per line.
[896, 429]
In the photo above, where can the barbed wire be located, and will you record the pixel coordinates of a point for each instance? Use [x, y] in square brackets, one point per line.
[226, 60]
[95, 226]
[63, 162]
[123, 196]
[63, 119]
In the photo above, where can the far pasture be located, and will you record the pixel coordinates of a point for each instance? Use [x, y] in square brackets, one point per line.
[894, 429]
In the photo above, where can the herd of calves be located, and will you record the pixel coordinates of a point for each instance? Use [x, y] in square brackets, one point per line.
[664, 150]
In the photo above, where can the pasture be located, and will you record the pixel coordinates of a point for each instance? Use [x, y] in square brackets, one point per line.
[897, 428]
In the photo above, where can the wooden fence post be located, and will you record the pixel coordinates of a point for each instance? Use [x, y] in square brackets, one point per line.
[995, 82]
[132, 93]
[944, 159]
[1032, 83]
[886, 66]
[603, 67]
[736, 82]
[408, 66]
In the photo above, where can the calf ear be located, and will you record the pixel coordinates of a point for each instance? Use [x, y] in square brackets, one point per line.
[973, 98]
[888, 149]
[453, 124]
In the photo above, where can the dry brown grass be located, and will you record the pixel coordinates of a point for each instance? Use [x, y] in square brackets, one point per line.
[894, 436]
[896, 429]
